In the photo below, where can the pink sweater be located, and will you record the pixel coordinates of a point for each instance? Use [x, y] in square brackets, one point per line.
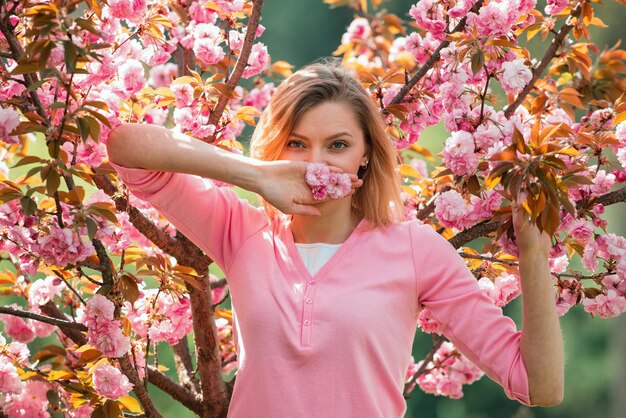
[336, 344]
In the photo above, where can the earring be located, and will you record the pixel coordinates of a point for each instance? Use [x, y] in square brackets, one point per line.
[365, 163]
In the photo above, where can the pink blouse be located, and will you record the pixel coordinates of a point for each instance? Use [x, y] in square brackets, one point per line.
[338, 343]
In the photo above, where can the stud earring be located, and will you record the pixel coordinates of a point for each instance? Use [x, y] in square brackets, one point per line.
[365, 163]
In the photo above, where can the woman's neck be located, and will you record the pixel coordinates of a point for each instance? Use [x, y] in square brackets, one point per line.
[332, 227]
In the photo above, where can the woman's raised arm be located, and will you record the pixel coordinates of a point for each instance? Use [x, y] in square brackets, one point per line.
[156, 148]
[152, 147]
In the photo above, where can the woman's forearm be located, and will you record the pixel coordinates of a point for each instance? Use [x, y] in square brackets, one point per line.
[542, 342]
[156, 148]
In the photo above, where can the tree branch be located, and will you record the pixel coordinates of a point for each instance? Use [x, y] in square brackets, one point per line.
[184, 366]
[547, 57]
[138, 387]
[175, 390]
[61, 323]
[185, 251]
[437, 341]
[483, 228]
[433, 58]
[214, 393]
[242, 61]
[612, 197]
[17, 52]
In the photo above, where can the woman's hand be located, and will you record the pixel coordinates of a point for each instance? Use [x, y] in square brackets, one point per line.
[529, 237]
[282, 185]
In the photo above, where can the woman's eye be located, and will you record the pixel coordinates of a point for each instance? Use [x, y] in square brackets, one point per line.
[295, 144]
[338, 145]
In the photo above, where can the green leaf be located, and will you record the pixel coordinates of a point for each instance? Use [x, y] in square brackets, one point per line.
[92, 228]
[130, 290]
[83, 128]
[28, 205]
[478, 61]
[94, 127]
[87, 25]
[29, 159]
[6, 195]
[71, 56]
[104, 290]
[53, 182]
[25, 68]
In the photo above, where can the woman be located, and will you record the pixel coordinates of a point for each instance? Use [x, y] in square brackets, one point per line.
[326, 294]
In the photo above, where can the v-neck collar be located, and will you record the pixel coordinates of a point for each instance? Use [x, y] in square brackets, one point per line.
[298, 264]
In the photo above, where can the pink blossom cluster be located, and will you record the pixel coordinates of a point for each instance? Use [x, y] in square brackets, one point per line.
[118, 238]
[427, 323]
[62, 246]
[127, 9]
[565, 300]
[325, 183]
[458, 153]
[453, 211]
[88, 152]
[515, 75]
[502, 289]
[257, 61]
[358, 31]
[43, 291]
[104, 332]
[168, 318]
[109, 381]
[447, 373]
[610, 303]
[30, 402]
[259, 97]
[9, 120]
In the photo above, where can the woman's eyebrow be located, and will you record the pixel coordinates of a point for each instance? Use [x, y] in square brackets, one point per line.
[337, 135]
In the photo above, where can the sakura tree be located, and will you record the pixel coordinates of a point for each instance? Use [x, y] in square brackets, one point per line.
[104, 273]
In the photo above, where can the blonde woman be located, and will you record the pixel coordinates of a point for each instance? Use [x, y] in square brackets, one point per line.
[326, 294]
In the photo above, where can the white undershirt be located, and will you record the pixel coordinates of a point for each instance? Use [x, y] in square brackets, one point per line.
[314, 256]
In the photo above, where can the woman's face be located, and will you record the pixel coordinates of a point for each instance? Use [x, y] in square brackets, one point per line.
[328, 133]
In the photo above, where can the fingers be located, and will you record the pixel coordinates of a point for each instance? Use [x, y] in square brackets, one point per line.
[299, 209]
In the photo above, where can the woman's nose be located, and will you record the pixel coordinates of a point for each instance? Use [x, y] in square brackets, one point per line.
[316, 156]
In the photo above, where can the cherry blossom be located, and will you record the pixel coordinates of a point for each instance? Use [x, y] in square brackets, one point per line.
[9, 119]
[326, 184]
[109, 382]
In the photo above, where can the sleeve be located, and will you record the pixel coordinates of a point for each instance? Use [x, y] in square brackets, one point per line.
[468, 318]
[214, 218]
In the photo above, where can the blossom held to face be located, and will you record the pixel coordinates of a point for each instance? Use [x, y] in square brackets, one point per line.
[109, 382]
[326, 184]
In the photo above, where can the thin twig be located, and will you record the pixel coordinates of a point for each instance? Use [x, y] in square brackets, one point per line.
[242, 61]
[557, 41]
[486, 258]
[42, 318]
[433, 58]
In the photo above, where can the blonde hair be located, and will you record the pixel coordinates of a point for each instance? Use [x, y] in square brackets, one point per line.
[378, 200]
